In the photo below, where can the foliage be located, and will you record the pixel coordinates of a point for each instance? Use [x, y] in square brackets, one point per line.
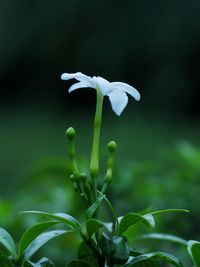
[180, 162]
[32, 240]
[171, 178]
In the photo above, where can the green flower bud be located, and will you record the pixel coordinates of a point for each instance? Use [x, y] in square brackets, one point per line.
[112, 146]
[109, 174]
[70, 133]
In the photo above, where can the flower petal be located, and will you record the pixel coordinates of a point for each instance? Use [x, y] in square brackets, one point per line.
[77, 86]
[68, 76]
[128, 89]
[103, 85]
[78, 76]
[118, 100]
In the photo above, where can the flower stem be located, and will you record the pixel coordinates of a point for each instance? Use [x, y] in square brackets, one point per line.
[94, 164]
[72, 151]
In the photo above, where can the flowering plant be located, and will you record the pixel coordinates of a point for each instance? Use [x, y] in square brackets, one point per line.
[102, 243]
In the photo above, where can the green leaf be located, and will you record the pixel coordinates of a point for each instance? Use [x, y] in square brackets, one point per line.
[93, 225]
[167, 211]
[147, 263]
[166, 237]
[131, 219]
[114, 213]
[44, 262]
[115, 250]
[7, 241]
[86, 254]
[155, 255]
[194, 251]
[91, 210]
[78, 263]
[134, 252]
[40, 241]
[147, 219]
[61, 217]
[32, 233]
[121, 253]
[106, 245]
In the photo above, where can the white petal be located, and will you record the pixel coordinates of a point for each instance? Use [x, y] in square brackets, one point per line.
[77, 86]
[128, 89]
[118, 100]
[103, 85]
[78, 76]
[68, 76]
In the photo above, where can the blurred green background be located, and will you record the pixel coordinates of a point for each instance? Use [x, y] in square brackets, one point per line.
[154, 46]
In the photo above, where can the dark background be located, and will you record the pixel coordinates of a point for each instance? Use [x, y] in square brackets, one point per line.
[153, 45]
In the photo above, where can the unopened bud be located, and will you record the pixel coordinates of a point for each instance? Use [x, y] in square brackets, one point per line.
[112, 146]
[70, 133]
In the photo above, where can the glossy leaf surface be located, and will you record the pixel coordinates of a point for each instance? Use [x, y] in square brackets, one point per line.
[194, 251]
[40, 241]
[61, 217]
[92, 226]
[7, 241]
[155, 255]
[32, 233]
[165, 237]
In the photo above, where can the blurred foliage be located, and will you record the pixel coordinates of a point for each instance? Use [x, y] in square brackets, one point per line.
[171, 181]
[47, 188]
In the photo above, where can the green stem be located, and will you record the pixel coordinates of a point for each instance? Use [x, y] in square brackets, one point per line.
[72, 152]
[94, 164]
[114, 213]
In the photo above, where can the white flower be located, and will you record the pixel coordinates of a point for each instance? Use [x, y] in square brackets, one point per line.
[116, 91]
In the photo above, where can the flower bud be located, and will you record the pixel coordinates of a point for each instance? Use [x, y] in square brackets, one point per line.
[70, 133]
[112, 146]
